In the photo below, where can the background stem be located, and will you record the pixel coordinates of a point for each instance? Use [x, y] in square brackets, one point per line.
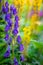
[2, 3]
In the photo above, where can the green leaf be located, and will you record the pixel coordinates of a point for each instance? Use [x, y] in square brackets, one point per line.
[7, 60]
[37, 43]
[40, 28]
[10, 1]
[2, 27]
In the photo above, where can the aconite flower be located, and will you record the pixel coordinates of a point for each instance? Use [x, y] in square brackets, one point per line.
[15, 31]
[21, 47]
[5, 9]
[18, 39]
[16, 25]
[7, 37]
[15, 61]
[8, 18]
[22, 58]
[7, 53]
[6, 4]
[16, 18]
[11, 28]
[7, 28]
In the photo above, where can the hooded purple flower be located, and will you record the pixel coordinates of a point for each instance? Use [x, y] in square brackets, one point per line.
[18, 39]
[7, 53]
[7, 37]
[7, 28]
[9, 22]
[15, 61]
[14, 11]
[15, 31]
[16, 18]
[9, 41]
[22, 58]
[16, 25]
[5, 9]
[7, 16]
[6, 4]
[21, 47]
[12, 8]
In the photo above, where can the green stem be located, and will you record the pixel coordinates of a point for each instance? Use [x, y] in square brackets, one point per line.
[13, 42]
[2, 3]
[13, 49]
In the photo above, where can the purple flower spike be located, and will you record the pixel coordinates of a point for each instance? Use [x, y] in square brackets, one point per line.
[16, 18]
[15, 61]
[6, 4]
[15, 31]
[18, 39]
[7, 53]
[21, 47]
[6, 37]
[22, 58]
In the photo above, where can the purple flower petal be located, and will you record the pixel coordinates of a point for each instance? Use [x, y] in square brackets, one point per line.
[9, 41]
[16, 18]
[7, 16]
[21, 47]
[7, 28]
[7, 53]
[6, 37]
[9, 22]
[18, 39]
[15, 61]
[14, 11]
[16, 25]
[22, 58]
[5, 9]
[11, 7]
[6, 4]
[15, 31]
